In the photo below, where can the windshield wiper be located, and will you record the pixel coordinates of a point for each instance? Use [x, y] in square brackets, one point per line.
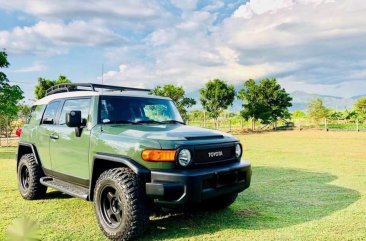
[122, 122]
[148, 122]
[173, 122]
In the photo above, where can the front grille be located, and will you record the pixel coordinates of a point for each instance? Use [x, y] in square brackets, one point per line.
[210, 154]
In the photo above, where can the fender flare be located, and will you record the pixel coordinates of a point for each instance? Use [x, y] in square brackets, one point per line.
[33, 149]
[140, 170]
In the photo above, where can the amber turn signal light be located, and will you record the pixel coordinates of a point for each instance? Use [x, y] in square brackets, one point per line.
[158, 155]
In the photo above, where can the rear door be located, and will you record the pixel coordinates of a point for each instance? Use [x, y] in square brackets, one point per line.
[44, 131]
[69, 153]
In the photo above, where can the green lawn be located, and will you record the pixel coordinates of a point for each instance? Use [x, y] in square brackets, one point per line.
[306, 186]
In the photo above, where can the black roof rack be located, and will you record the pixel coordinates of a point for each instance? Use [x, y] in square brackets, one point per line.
[68, 87]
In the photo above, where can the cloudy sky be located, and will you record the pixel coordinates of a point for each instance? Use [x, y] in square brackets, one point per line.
[317, 46]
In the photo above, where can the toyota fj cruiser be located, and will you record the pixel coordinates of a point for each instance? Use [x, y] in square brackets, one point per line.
[125, 151]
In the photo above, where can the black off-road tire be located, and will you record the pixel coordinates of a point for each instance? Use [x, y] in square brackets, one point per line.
[221, 202]
[29, 175]
[120, 204]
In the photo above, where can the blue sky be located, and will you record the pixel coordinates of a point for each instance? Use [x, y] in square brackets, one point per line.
[317, 46]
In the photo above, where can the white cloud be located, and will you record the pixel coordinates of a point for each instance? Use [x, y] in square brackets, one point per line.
[35, 67]
[57, 37]
[307, 42]
[259, 7]
[312, 44]
[187, 5]
[214, 6]
[127, 9]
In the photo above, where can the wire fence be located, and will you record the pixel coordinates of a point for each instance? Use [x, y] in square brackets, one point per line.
[237, 124]
[233, 125]
[7, 131]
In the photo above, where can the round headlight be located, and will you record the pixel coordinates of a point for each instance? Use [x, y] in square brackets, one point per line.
[184, 157]
[238, 150]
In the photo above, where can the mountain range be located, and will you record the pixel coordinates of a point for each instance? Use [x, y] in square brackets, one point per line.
[299, 102]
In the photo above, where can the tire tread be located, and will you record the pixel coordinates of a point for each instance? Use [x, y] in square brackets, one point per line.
[137, 215]
[36, 189]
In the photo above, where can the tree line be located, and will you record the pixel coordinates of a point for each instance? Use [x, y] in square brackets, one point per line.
[264, 101]
[317, 112]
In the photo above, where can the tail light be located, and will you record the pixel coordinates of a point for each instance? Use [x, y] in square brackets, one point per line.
[18, 132]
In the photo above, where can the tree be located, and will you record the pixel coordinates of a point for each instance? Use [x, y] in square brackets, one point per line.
[24, 111]
[10, 95]
[253, 107]
[360, 107]
[216, 97]
[298, 114]
[276, 99]
[335, 115]
[317, 110]
[177, 94]
[267, 101]
[44, 84]
[195, 115]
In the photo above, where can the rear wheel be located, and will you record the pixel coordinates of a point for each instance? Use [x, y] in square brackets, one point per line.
[29, 175]
[120, 204]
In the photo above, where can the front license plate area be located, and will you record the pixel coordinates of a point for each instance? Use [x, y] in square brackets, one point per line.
[226, 178]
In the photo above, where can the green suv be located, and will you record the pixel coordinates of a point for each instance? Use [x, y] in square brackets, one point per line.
[126, 151]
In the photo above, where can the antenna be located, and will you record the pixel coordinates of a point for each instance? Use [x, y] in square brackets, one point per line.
[100, 105]
[102, 73]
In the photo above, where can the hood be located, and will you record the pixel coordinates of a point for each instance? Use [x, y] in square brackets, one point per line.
[166, 132]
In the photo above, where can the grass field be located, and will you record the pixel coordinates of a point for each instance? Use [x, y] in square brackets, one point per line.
[306, 186]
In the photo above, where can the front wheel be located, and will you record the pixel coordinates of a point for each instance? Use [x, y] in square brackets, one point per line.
[120, 204]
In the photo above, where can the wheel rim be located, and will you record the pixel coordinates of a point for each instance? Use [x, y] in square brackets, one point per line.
[24, 178]
[111, 206]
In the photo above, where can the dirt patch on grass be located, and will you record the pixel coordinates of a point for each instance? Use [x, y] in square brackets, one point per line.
[247, 213]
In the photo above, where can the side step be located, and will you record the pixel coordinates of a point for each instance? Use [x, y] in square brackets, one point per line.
[65, 187]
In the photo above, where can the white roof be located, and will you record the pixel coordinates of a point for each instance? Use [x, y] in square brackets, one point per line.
[49, 98]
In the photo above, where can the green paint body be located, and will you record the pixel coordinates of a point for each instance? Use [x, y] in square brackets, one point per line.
[73, 156]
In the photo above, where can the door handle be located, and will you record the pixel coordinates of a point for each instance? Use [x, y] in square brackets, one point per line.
[54, 136]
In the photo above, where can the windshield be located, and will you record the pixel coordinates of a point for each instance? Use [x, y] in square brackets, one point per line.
[137, 110]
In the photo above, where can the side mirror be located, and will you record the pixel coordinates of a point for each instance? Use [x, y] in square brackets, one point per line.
[73, 118]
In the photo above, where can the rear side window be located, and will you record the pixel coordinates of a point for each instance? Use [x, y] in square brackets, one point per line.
[35, 116]
[49, 115]
[31, 114]
[75, 104]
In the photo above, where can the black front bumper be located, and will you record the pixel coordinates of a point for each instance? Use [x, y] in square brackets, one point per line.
[176, 187]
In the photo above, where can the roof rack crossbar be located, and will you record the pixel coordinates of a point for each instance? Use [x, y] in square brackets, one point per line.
[67, 87]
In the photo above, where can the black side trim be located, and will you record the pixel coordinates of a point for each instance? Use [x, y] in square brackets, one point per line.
[67, 178]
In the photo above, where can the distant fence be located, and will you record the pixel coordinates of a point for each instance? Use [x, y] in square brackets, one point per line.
[7, 131]
[235, 124]
[226, 124]
[9, 141]
[342, 125]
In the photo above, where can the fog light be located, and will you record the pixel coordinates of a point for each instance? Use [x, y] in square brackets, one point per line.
[184, 157]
